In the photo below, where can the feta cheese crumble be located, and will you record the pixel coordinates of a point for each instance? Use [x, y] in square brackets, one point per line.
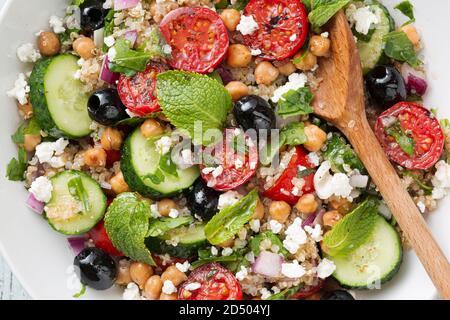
[57, 24]
[21, 89]
[292, 270]
[163, 145]
[441, 180]
[49, 152]
[315, 233]
[255, 52]
[247, 25]
[362, 18]
[169, 287]
[192, 286]
[325, 268]
[183, 267]
[327, 185]
[265, 294]
[214, 251]
[109, 41]
[296, 81]
[131, 292]
[227, 252]
[28, 53]
[275, 226]
[295, 236]
[255, 225]
[174, 213]
[242, 274]
[228, 199]
[42, 188]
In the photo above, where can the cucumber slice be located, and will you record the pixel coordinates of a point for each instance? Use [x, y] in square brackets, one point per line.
[140, 159]
[63, 203]
[182, 242]
[375, 262]
[372, 51]
[59, 103]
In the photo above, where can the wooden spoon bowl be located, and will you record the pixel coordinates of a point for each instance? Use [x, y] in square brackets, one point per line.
[340, 100]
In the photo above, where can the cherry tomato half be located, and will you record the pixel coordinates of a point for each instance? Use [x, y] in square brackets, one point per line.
[283, 27]
[237, 163]
[101, 240]
[282, 189]
[217, 283]
[138, 92]
[417, 123]
[198, 38]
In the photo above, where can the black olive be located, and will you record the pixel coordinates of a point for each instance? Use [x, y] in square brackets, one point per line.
[95, 268]
[253, 112]
[92, 15]
[202, 200]
[386, 86]
[337, 295]
[106, 108]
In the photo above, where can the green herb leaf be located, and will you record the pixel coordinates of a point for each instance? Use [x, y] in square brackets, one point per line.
[400, 48]
[188, 99]
[285, 294]
[31, 128]
[255, 243]
[77, 2]
[224, 225]
[17, 167]
[157, 177]
[127, 223]
[201, 262]
[240, 4]
[407, 9]
[77, 190]
[81, 293]
[161, 226]
[422, 185]
[405, 142]
[305, 172]
[295, 103]
[216, 76]
[154, 44]
[353, 230]
[293, 134]
[339, 153]
[108, 29]
[167, 165]
[128, 60]
[324, 10]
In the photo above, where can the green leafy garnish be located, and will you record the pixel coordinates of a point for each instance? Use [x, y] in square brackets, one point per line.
[286, 293]
[295, 103]
[305, 172]
[220, 259]
[323, 10]
[167, 165]
[400, 48]
[353, 230]
[405, 142]
[224, 225]
[81, 293]
[255, 243]
[240, 4]
[154, 45]
[161, 226]
[157, 177]
[233, 262]
[194, 103]
[127, 60]
[407, 9]
[127, 223]
[293, 134]
[422, 185]
[30, 128]
[77, 190]
[108, 29]
[339, 153]
[16, 167]
[216, 76]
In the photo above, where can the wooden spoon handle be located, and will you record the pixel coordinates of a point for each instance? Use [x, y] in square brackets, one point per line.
[402, 206]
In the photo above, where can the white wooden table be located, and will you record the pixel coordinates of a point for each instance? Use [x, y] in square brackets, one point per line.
[10, 288]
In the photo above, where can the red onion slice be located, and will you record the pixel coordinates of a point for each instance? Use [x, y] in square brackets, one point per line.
[415, 80]
[268, 264]
[34, 204]
[125, 4]
[106, 75]
[76, 244]
[131, 36]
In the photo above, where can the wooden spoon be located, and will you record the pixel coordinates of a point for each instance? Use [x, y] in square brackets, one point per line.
[340, 100]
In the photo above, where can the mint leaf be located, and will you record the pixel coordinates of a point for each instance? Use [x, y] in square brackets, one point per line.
[407, 9]
[128, 60]
[353, 230]
[400, 48]
[405, 142]
[295, 103]
[255, 243]
[17, 167]
[293, 134]
[339, 153]
[224, 225]
[323, 11]
[18, 136]
[161, 226]
[127, 223]
[31, 128]
[188, 99]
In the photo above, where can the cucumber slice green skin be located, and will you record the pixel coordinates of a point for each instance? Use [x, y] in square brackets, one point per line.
[132, 151]
[388, 259]
[84, 222]
[191, 239]
[44, 87]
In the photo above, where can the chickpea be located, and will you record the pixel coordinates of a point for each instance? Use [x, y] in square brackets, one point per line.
[165, 205]
[342, 205]
[287, 68]
[84, 47]
[118, 184]
[49, 44]
[123, 273]
[111, 139]
[231, 18]
[280, 211]
[165, 296]
[259, 211]
[412, 34]
[226, 244]
[153, 287]
[237, 89]
[266, 73]
[95, 157]
[330, 218]
[239, 56]
[173, 274]
[307, 62]
[140, 273]
[316, 138]
[320, 46]
[25, 110]
[307, 204]
[30, 141]
[151, 128]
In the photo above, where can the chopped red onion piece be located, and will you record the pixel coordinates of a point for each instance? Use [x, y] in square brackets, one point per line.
[415, 80]
[225, 74]
[268, 264]
[106, 75]
[76, 244]
[131, 36]
[34, 204]
[125, 4]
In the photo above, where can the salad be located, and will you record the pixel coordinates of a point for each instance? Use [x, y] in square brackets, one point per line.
[175, 144]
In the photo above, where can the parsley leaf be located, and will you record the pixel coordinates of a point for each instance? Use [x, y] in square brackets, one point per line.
[295, 103]
[16, 167]
[407, 9]
[293, 134]
[400, 48]
[405, 142]
[339, 153]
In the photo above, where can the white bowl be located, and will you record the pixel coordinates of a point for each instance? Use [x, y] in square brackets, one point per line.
[40, 257]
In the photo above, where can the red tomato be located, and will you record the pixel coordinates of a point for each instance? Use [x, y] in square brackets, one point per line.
[112, 156]
[138, 92]
[238, 165]
[283, 27]
[419, 124]
[198, 38]
[217, 283]
[101, 240]
[282, 189]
